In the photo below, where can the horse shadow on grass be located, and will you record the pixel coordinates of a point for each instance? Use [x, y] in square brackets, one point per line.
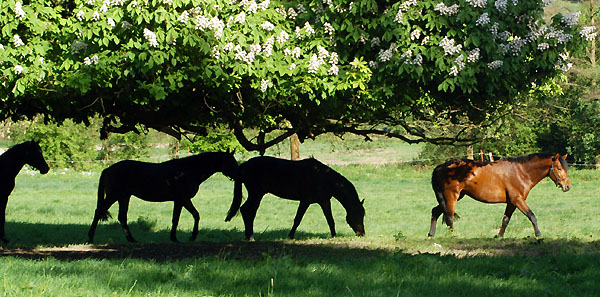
[23, 235]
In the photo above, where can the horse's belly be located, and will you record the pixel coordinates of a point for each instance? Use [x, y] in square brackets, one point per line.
[487, 193]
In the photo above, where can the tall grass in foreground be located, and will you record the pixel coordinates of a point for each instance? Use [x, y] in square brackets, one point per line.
[395, 258]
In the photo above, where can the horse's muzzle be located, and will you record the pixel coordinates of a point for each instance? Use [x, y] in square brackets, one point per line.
[565, 188]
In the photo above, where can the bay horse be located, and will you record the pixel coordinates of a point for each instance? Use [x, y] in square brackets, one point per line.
[11, 163]
[308, 181]
[505, 181]
[175, 180]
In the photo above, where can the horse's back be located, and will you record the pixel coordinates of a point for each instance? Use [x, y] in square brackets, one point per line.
[284, 178]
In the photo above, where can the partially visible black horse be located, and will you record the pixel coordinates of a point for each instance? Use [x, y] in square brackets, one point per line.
[175, 180]
[11, 163]
[308, 181]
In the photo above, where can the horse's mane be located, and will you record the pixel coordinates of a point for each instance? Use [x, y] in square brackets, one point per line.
[523, 159]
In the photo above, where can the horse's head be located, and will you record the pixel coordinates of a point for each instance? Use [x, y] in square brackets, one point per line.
[35, 158]
[229, 166]
[558, 172]
[355, 218]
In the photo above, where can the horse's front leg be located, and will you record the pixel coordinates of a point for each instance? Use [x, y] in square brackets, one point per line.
[3, 202]
[510, 208]
[176, 213]
[299, 214]
[123, 209]
[190, 207]
[326, 207]
[522, 206]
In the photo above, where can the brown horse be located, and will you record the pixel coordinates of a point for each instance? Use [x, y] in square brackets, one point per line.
[506, 181]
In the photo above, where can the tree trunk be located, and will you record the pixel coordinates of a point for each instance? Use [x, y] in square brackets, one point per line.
[295, 147]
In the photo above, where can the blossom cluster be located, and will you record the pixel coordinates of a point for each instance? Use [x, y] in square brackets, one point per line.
[446, 10]
[571, 19]
[151, 37]
[449, 47]
[91, 60]
[589, 33]
[477, 3]
[17, 40]
[404, 8]
[19, 12]
[386, 55]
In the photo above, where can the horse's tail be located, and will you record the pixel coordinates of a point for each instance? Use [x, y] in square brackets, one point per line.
[237, 200]
[100, 211]
[438, 187]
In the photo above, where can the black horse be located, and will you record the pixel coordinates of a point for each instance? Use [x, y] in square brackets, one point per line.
[11, 163]
[308, 181]
[175, 180]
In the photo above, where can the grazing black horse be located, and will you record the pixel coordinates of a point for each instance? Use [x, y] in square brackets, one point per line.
[11, 163]
[308, 181]
[175, 180]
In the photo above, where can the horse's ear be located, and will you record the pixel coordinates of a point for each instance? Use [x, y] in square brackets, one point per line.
[557, 157]
[362, 201]
[565, 156]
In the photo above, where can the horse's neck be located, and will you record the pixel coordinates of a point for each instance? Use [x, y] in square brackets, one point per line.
[11, 162]
[538, 170]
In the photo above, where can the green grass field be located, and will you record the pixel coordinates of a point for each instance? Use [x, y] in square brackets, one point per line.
[48, 218]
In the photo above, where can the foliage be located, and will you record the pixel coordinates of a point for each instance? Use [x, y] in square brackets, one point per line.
[76, 146]
[217, 140]
[303, 67]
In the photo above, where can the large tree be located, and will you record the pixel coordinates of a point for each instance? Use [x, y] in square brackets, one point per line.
[278, 67]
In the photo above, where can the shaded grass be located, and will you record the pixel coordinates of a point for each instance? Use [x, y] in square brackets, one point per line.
[394, 259]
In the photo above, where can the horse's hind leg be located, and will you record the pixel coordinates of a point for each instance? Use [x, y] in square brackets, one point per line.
[435, 214]
[248, 211]
[326, 207]
[510, 208]
[123, 209]
[299, 214]
[100, 214]
[190, 207]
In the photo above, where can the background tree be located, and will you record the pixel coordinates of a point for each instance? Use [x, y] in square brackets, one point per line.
[305, 67]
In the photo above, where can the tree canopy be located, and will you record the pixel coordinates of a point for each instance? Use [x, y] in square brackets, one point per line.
[305, 67]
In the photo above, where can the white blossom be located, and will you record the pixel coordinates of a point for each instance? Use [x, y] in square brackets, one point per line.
[41, 59]
[18, 69]
[264, 5]
[446, 10]
[495, 64]
[333, 70]
[240, 18]
[301, 9]
[168, 2]
[296, 52]
[89, 2]
[255, 48]
[19, 12]
[292, 66]
[1, 46]
[268, 26]
[202, 22]
[80, 15]
[215, 52]
[323, 53]
[151, 37]
[454, 70]
[543, 46]
[228, 47]
[500, 5]
[375, 42]
[571, 19]
[264, 85]
[449, 47]
[308, 29]
[483, 19]
[282, 37]
[17, 40]
[111, 22]
[473, 55]
[292, 14]
[184, 17]
[333, 58]
[314, 64]
[425, 40]
[546, 2]
[589, 33]
[95, 16]
[385, 55]
[404, 8]
[477, 3]
[328, 28]
[103, 8]
[415, 34]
